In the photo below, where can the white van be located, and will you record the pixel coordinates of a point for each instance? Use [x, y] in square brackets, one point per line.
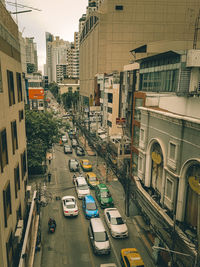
[98, 237]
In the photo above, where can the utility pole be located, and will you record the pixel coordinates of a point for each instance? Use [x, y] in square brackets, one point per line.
[107, 155]
[127, 191]
[97, 138]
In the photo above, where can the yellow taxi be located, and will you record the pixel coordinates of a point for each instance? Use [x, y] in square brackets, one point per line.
[92, 179]
[130, 257]
[86, 165]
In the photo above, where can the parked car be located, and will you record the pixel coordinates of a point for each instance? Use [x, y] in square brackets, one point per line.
[91, 179]
[79, 151]
[131, 257]
[89, 207]
[103, 196]
[67, 149]
[64, 139]
[69, 205]
[73, 165]
[98, 237]
[74, 143]
[86, 165]
[117, 226]
[82, 188]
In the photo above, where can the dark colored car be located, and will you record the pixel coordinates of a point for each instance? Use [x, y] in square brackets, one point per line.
[79, 151]
[67, 149]
[73, 165]
[103, 196]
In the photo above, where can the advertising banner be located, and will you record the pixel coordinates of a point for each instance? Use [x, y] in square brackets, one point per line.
[36, 93]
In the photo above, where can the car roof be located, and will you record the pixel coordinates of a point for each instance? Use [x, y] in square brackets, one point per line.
[81, 180]
[113, 212]
[103, 186]
[97, 224]
[89, 198]
[133, 256]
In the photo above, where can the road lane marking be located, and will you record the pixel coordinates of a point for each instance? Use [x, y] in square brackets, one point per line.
[89, 247]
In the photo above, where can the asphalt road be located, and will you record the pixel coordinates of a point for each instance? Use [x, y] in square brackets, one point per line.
[70, 245]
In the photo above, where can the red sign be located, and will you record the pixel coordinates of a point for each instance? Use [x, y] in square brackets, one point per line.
[120, 120]
[36, 93]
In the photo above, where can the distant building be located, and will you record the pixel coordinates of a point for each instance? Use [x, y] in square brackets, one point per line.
[36, 91]
[31, 55]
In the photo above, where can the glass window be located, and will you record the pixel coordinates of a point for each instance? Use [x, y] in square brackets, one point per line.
[23, 164]
[14, 136]
[172, 151]
[17, 180]
[21, 115]
[136, 135]
[139, 102]
[19, 86]
[7, 203]
[11, 92]
[3, 149]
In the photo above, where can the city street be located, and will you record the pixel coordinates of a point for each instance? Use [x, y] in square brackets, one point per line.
[70, 245]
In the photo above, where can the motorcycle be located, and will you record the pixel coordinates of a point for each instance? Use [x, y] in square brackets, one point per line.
[52, 225]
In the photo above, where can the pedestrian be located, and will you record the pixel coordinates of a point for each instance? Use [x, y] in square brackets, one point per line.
[49, 161]
[49, 177]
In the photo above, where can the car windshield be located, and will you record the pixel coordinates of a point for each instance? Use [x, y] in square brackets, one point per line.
[70, 206]
[105, 194]
[83, 187]
[91, 206]
[93, 179]
[86, 163]
[100, 236]
[117, 221]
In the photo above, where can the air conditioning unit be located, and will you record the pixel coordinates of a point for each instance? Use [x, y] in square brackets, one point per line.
[20, 224]
[18, 235]
[28, 191]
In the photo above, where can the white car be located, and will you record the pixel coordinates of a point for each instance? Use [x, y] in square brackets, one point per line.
[115, 223]
[70, 207]
[82, 188]
[64, 139]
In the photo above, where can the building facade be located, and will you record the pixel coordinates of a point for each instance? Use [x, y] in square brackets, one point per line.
[13, 168]
[112, 30]
[31, 55]
[165, 152]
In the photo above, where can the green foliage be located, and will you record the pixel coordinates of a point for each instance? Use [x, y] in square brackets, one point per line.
[42, 129]
[53, 87]
[70, 99]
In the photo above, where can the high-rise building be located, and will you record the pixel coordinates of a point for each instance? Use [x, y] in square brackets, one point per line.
[56, 53]
[13, 166]
[115, 28]
[31, 55]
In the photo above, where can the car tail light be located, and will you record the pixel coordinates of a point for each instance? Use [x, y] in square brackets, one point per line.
[66, 211]
[76, 211]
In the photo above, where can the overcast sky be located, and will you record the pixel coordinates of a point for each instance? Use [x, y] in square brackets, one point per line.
[59, 17]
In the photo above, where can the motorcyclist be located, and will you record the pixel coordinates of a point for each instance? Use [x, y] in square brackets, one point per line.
[51, 222]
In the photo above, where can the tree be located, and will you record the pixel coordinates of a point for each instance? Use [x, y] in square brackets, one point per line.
[53, 87]
[42, 129]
